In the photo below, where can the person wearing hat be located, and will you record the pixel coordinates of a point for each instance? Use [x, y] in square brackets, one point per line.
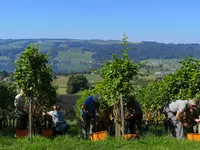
[60, 125]
[174, 112]
[88, 114]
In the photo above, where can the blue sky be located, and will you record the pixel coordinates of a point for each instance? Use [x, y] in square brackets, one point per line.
[176, 21]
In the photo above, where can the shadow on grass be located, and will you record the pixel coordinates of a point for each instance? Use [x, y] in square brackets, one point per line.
[157, 130]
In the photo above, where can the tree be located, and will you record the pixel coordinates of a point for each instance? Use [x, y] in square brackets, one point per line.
[117, 75]
[7, 92]
[76, 83]
[34, 76]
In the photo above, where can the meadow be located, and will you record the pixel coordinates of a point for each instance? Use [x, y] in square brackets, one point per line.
[75, 60]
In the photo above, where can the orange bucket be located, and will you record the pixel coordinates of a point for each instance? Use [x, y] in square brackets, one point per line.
[98, 136]
[193, 137]
[21, 133]
[47, 133]
[129, 136]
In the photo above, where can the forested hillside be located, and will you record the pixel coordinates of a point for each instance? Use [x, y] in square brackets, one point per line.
[79, 55]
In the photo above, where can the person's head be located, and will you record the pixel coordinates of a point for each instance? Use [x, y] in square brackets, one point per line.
[96, 98]
[20, 91]
[56, 107]
[194, 103]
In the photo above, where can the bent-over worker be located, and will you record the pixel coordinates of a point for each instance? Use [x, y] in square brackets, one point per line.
[174, 112]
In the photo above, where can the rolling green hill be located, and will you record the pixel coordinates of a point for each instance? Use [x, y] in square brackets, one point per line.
[75, 55]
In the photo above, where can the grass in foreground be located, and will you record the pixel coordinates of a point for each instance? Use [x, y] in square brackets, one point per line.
[149, 142]
[155, 139]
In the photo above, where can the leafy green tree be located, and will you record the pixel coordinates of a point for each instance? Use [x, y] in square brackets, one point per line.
[117, 75]
[76, 83]
[7, 92]
[34, 76]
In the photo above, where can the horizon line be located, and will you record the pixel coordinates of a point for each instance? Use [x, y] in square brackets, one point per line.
[105, 40]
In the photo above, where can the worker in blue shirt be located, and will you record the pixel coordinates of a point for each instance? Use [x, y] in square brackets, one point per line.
[88, 113]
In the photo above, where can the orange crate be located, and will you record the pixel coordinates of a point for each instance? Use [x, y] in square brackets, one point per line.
[21, 133]
[47, 133]
[193, 137]
[129, 136]
[97, 136]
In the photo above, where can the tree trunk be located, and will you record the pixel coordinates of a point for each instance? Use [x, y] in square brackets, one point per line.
[30, 119]
[122, 114]
[117, 120]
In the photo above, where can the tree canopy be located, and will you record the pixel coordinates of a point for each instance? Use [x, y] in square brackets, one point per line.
[34, 76]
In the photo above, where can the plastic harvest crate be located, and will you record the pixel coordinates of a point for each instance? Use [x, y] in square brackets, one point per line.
[98, 136]
[193, 136]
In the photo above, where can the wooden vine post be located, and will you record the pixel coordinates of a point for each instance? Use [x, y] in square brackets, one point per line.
[30, 118]
[122, 114]
[117, 120]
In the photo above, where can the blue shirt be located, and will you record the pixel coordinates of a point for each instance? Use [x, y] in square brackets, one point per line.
[89, 106]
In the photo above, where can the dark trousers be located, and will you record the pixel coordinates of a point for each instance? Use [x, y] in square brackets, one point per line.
[134, 125]
[87, 126]
[61, 129]
[55, 132]
[22, 120]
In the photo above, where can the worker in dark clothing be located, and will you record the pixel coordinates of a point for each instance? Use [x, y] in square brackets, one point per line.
[174, 112]
[133, 117]
[21, 111]
[88, 113]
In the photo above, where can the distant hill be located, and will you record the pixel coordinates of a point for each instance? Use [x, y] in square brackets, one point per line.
[79, 55]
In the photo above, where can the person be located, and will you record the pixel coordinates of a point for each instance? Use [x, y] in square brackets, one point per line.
[21, 111]
[174, 112]
[60, 125]
[133, 117]
[88, 114]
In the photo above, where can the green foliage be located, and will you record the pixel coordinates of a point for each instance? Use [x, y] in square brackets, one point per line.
[34, 76]
[76, 83]
[183, 84]
[117, 76]
[7, 95]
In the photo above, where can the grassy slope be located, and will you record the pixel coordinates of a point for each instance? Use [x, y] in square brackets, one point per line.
[78, 61]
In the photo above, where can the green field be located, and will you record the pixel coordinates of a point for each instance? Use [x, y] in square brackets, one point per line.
[75, 60]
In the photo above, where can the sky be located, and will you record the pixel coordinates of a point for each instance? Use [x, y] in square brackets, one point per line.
[168, 21]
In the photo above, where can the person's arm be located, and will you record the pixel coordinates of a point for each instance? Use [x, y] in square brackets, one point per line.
[179, 115]
[48, 113]
[88, 100]
[83, 108]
